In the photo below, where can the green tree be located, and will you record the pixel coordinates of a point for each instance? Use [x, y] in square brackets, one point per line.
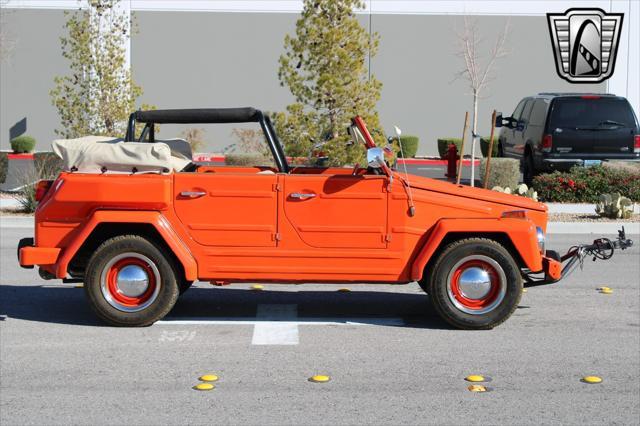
[98, 94]
[324, 67]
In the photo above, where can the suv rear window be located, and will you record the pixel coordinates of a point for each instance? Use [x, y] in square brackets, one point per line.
[580, 112]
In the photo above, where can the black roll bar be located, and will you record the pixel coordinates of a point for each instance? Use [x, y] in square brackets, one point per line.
[209, 116]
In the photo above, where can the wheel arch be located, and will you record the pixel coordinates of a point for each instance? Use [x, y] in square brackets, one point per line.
[107, 224]
[517, 236]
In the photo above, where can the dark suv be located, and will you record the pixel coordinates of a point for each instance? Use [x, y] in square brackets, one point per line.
[555, 131]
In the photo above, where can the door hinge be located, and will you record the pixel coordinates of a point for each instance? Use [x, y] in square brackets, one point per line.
[277, 237]
[387, 238]
[277, 187]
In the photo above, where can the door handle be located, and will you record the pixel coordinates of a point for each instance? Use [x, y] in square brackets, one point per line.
[192, 194]
[301, 195]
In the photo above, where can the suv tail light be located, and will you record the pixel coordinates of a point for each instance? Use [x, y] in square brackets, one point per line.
[42, 187]
[547, 143]
[636, 143]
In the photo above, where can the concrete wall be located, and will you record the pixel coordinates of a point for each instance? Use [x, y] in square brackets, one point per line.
[197, 59]
[26, 75]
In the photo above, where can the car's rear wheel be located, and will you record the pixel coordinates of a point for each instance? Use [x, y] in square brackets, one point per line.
[475, 284]
[528, 169]
[129, 281]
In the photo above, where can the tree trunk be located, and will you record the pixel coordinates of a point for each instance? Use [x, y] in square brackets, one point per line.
[473, 139]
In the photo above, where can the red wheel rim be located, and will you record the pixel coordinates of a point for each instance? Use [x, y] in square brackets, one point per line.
[117, 294]
[130, 282]
[483, 292]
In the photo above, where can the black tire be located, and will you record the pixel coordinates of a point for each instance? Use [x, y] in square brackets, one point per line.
[184, 285]
[162, 273]
[528, 169]
[504, 273]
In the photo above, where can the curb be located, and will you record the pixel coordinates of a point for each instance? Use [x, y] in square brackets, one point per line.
[631, 228]
[218, 158]
[16, 222]
[28, 156]
[578, 208]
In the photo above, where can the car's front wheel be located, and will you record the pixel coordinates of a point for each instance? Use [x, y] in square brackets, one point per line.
[130, 281]
[475, 284]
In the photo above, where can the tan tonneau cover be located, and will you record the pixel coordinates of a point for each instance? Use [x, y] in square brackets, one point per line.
[101, 154]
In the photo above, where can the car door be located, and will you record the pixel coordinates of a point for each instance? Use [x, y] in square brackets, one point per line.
[337, 211]
[507, 133]
[520, 130]
[228, 210]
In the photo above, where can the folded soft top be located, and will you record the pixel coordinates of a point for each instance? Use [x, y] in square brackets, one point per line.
[101, 154]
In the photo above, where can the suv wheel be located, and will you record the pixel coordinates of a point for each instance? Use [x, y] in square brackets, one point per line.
[475, 284]
[528, 169]
[130, 282]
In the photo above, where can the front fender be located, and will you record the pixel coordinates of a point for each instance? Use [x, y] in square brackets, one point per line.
[521, 232]
[156, 219]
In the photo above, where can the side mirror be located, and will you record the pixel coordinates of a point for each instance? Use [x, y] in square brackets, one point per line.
[375, 157]
[498, 122]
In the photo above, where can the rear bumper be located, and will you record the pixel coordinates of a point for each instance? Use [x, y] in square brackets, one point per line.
[29, 256]
[567, 163]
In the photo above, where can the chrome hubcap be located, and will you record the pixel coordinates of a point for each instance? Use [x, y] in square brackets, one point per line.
[475, 283]
[132, 281]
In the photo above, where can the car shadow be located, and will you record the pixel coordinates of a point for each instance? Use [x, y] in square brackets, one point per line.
[66, 305]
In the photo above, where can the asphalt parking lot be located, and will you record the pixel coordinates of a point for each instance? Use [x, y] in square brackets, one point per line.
[390, 359]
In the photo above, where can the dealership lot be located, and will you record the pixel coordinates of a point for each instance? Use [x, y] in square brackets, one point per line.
[390, 359]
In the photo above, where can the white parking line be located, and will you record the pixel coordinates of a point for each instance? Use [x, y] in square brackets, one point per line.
[300, 321]
[272, 330]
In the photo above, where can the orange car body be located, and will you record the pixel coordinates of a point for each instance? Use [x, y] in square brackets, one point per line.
[348, 226]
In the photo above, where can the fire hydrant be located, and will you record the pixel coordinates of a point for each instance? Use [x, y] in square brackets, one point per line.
[452, 158]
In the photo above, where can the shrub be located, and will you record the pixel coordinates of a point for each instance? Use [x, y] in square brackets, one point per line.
[614, 206]
[409, 146]
[628, 166]
[23, 144]
[504, 172]
[522, 190]
[47, 165]
[585, 184]
[443, 145]
[484, 146]
[247, 160]
[4, 165]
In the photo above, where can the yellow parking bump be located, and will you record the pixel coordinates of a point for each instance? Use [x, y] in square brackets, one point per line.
[319, 378]
[606, 290]
[475, 378]
[257, 287]
[203, 386]
[209, 378]
[344, 290]
[79, 286]
[591, 379]
[524, 290]
[477, 388]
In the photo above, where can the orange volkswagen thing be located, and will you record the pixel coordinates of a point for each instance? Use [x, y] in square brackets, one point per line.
[138, 223]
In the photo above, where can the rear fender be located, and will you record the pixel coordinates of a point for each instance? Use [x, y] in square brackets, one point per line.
[521, 233]
[158, 221]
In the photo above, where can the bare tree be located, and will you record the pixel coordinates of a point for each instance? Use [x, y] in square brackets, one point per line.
[6, 41]
[477, 70]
